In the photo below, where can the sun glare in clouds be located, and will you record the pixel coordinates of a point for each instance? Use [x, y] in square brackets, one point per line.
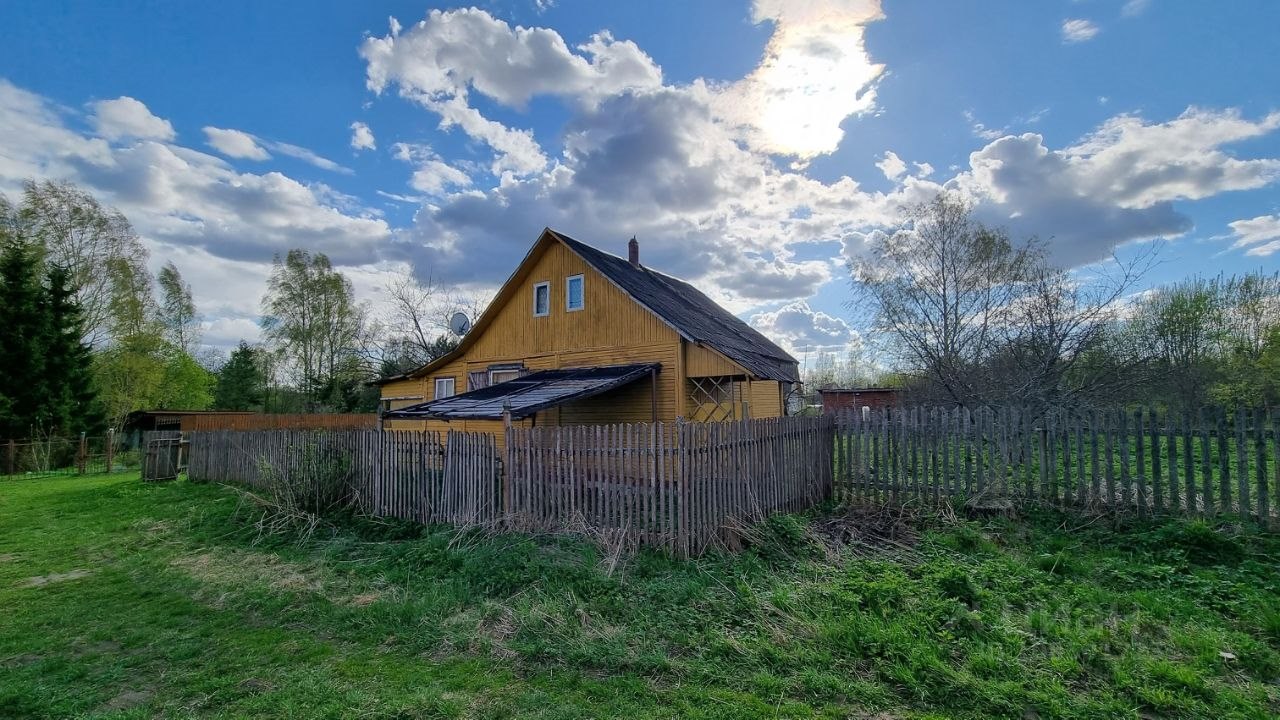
[815, 73]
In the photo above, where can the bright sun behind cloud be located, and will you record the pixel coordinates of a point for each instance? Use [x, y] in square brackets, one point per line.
[815, 73]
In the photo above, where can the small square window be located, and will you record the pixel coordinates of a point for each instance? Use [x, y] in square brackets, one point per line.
[573, 296]
[542, 299]
[444, 388]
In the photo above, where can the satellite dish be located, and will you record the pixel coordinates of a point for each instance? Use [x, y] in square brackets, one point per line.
[459, 324]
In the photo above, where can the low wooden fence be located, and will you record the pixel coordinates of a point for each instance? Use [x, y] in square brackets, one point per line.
[1136, 461]
[690, 486]
[428, 477]
[683, 486]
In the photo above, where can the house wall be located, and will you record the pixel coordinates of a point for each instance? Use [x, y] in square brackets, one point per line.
[701, 361]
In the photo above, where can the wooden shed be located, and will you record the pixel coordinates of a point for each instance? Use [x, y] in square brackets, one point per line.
[838, 399]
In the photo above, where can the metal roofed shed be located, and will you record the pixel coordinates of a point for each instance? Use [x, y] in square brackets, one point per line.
[527, 395]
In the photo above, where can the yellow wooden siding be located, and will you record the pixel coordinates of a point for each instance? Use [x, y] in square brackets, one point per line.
[766, 398]
[609, 318]
[701, 361]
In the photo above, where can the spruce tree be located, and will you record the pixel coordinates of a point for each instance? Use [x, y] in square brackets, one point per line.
[22, 337]
[72, 397]
[241, 382]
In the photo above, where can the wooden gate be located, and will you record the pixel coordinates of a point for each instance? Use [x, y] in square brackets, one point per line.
[163, 456]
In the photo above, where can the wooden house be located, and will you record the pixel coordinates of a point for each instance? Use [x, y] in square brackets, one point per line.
[579, 336]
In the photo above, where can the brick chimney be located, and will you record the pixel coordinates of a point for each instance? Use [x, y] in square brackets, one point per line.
[633, 252]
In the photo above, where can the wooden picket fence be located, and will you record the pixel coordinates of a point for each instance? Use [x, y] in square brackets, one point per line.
[682, 486]
[688, 487]
[1136, 462]
[428, 477]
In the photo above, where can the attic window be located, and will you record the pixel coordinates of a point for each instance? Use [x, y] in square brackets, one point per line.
[573, 296]
[542, 299]
[503, 374]
[444, 387]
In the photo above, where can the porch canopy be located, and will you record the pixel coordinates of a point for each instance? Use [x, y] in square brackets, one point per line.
[526, 395]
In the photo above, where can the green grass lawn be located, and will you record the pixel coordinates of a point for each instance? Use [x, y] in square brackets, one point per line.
[119, 599]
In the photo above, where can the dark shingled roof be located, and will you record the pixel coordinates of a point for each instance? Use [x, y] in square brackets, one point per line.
[694, 315]
[526, 395]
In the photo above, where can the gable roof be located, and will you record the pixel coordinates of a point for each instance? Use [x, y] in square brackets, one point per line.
[696, 317]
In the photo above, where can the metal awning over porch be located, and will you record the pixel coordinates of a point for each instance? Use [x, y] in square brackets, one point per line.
[527, 395]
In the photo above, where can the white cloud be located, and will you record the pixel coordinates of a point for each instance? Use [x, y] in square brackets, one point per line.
[815, 73]
[1118, 183]
[980, 130]
[1134, 8]
[891, 165]
[1077, 30]
[1259, 236]
[247, 146]
[235, 144]
[923, 169]
[126, 117]
[439, 61]
[307, 156]
[182, 197]
[362, 137]
[227, 332]
[431, 174]
[801, 329]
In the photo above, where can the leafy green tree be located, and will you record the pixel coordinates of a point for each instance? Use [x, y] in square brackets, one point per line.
[185, 384]
[241, 382]
[312, 320]
[178, 309]
[97, 246]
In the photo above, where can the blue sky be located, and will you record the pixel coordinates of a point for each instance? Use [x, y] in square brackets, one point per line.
[752, 147]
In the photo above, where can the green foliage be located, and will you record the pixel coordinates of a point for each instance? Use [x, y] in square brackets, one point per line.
[145, 372]
[72, 388]
[1215, 340]
[177, 309]
[424, 621]
[98, 248]
[23, 327]
[47, 387]
[312, 321]
[241, 383]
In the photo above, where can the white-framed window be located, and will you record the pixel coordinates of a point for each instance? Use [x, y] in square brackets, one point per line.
[501, 375]
[444, 387]
[574, 293]
[542, 299]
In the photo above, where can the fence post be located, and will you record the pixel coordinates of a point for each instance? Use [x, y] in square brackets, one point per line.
[111, 448]
[82, 455]
[13, 456]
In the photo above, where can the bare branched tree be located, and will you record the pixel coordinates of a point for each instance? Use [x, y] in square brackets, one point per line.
[944, 288]
[981, 319]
